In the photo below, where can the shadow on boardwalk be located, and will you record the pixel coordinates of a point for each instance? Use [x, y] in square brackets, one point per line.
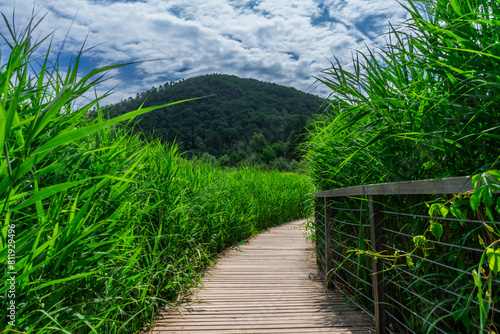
[267, 285]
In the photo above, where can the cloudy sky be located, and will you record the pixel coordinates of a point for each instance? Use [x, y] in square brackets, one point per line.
[282, 41]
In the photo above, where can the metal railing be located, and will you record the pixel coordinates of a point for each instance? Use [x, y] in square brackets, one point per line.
[368, 247]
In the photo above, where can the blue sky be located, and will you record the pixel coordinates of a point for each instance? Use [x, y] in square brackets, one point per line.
[287, 42]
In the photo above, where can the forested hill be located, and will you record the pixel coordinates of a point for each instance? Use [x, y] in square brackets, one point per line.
[242, 117]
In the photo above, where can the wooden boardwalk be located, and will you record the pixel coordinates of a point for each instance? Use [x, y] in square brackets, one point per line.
[267, 285]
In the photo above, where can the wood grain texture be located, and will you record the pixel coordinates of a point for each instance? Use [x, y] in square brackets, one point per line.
[268, 285]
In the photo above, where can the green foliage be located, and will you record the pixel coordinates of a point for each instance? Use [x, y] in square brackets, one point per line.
[105, 228]
[480, 201]
[493, 257]
[423, 106]
[258, 142]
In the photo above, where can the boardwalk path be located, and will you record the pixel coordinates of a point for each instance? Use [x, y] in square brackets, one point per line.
[265, 286]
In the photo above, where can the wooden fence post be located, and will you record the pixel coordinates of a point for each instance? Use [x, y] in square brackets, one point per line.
[317, 215]
[377, 239]
[328, 242]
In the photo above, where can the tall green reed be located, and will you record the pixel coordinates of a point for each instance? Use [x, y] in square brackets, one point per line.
[108, 228]
[424, 105]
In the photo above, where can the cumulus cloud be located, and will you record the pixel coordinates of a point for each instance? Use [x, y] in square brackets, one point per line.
[282, 41]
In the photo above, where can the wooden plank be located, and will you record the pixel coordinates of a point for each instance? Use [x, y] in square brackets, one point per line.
[248, 311]
[267, 316]
[251, 310]
[272, 330]
[216, 306]
[268, 285]
[275, 302]
[246, 325]
[266, 299]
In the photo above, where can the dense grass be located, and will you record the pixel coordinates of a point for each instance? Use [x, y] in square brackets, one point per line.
[107, 228]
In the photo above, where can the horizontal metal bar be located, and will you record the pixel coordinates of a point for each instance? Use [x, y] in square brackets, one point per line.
[348, 235]
[454, 185]
[349, 285]
[402, 324]
[344, 209]
[419, 296]
[443, 309]
[474, 325]
[439, 218]
[345, 234]
[438, 263]
[388, 330]
[433, 262]
[345, 257]
[348, 223]
[342, 245]
[432, 241]
[352, 301]
[357, 278]
[434, 285]
[414, 313]
[422, 279]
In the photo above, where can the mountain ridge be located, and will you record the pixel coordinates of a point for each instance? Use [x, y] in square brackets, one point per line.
[230, 117]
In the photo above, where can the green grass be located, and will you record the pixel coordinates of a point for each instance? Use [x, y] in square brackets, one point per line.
[109, 228]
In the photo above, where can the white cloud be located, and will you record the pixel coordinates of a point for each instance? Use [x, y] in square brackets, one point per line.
[281, 41]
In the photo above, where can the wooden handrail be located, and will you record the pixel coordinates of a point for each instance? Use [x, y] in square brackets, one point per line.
[451, 185]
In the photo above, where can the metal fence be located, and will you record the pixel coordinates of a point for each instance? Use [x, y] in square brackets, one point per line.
[375, 246]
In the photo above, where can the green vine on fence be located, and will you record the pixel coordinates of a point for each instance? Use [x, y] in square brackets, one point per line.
[484, 205]
[486, 185]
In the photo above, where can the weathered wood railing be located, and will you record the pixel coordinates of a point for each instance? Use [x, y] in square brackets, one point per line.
[430, 286]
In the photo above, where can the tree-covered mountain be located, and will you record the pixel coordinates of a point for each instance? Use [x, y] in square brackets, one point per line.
[238, 118]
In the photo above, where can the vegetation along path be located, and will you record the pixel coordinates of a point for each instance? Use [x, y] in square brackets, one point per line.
[267, 285]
